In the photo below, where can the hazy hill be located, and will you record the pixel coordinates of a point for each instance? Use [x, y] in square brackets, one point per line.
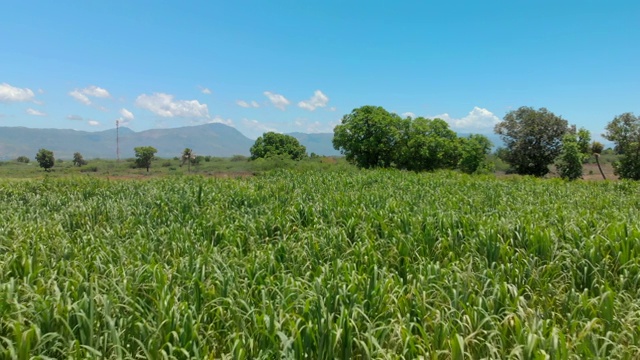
[209, 139]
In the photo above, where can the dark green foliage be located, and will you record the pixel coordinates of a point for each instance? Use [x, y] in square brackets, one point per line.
[426, 144]
[371, 137]
[78, 160]
[368, 136]
[569, 163]
[273, 144]
[597, 147]
[473, 153]
[45, 159]
[533, 139]
[22, 159]
[144, 155]
[624, 131]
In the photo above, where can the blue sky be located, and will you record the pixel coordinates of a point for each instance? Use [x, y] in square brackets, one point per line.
[301, 65]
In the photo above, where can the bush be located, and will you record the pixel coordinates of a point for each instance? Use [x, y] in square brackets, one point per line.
[22, 159]
[238, 158]
[89, 169]
[166, 164]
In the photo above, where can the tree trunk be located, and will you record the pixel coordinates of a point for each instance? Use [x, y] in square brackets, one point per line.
[599, 167]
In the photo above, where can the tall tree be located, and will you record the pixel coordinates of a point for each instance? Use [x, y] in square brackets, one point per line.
[533, 139]
[569, 163]
[425, 144]
[144, 155]
[274, 144]
[473, 153]
[624, 131]
[368, 136]
[45, 159]
[78, 160]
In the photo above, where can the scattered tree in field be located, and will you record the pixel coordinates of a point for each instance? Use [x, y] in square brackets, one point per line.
[624, 131]
[583, 138]
[187, 156]
[368, 137]
[426, 145]
[144, 155]
[569, 163]
[473, 153]
[45, 159]
[78, 160]
[533, 139]
[273, 144]
[22, 159]
[596, 150]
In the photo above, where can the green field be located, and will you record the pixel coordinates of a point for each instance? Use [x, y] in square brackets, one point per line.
[319, 265]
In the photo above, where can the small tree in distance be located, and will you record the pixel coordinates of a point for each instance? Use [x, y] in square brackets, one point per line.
[144, 155]
[569, 163]
[45, 159]
[274, 144]
[624, 131]
[78, 160]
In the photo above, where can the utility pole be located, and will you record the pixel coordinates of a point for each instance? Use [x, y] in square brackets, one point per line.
[118, 140]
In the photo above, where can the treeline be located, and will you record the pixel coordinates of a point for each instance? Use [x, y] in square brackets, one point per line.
[372, 137]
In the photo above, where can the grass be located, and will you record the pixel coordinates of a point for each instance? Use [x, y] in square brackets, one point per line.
[319, 265]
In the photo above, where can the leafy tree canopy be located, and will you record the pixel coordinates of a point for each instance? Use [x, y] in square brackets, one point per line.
[45, 159]
[624, 131]
[368, 136]
[144, 155]
[272, 144]
[532, 138]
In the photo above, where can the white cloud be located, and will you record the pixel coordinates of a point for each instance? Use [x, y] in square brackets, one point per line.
[253, 128]
[244, 104]
[478, 119]
[333, 108]
[317, 100]
[307, 126]
[35, 112]
[126, 114]
[40, 91]
[206, 91]
[277, 100]
[10, 93]
[93, 123]
[80, 97]
[220, 120]
[164, 105]
[408, 114]
[74, 117]
[96, 92]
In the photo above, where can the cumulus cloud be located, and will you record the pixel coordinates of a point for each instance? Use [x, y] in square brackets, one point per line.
[220, 120]
[244, 104]
[317, 100]
[166, 106]
[96, 92]
[126, 114]
[408, 114]
[478, 119]
[74, 117]
[308, 126]
[277, 100]
[254, 128]
[82, 95]
[206, 91]
[93, 123]
[10, 93]
[35, 112]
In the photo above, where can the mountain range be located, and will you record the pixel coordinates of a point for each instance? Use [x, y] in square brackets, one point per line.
[208, 139]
